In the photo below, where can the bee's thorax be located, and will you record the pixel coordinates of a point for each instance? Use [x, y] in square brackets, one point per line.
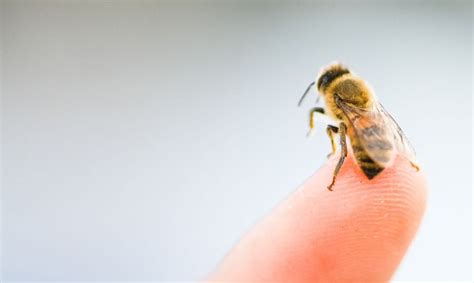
[350, 89]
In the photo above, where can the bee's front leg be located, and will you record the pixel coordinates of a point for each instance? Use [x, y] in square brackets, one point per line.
[330, 129]
[342, 135]
[312, 112]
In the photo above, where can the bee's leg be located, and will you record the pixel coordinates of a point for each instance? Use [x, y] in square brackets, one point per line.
[331, 130]
[313, 112]
[342, 135]
[414, 165]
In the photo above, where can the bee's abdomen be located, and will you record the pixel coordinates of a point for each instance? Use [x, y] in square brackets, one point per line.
[369, 167]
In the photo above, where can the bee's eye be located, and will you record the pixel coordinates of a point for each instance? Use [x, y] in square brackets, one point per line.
[325, 79]
[329, 76]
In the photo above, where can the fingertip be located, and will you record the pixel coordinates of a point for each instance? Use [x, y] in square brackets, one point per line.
[357, 232]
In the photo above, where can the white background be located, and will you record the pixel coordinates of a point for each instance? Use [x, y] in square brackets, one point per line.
[141, 140]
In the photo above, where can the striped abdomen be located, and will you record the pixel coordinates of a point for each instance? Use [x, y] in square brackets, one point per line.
[372, 151]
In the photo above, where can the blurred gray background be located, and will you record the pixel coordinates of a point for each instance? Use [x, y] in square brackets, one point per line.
[142, 139]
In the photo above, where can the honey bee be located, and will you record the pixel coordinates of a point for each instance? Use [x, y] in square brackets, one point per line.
[374, 135]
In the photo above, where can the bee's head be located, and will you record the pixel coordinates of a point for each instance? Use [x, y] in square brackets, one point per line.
[329, 74]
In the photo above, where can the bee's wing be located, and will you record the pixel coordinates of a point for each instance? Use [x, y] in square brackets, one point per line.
[373, 130]
[401, 142]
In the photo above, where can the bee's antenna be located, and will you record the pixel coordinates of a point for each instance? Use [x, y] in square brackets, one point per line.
[304, 94]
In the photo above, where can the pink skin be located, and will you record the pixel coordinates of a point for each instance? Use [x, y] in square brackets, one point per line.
[357, 233]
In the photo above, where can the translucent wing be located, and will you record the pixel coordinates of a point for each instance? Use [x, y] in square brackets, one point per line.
[376, 132]
[401, 142]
